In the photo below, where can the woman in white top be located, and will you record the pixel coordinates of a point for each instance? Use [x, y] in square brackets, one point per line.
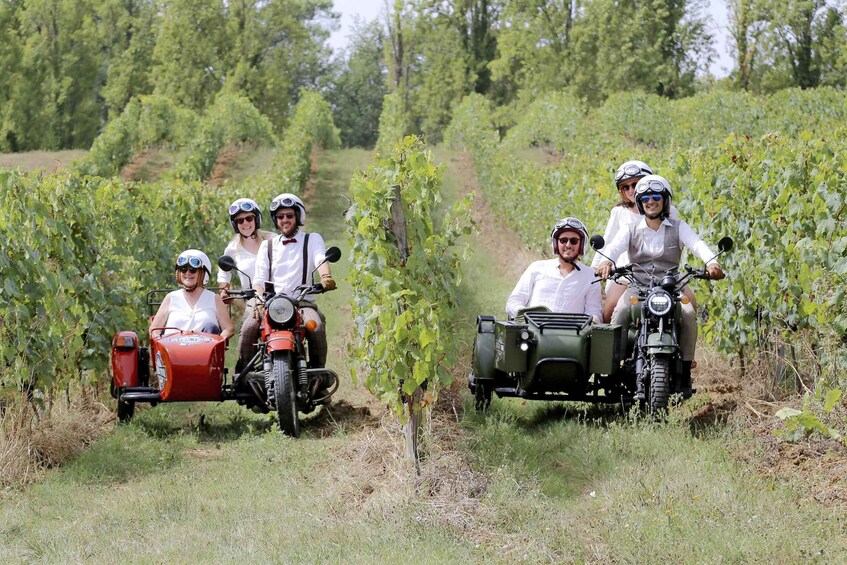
[623, 215]
[193, 307]
[246, 219]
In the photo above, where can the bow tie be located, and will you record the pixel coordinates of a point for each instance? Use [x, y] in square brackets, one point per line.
[287, 241]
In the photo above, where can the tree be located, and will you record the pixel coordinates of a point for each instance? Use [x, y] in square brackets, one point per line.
[189, 56]
[359, 85]
[656, 46]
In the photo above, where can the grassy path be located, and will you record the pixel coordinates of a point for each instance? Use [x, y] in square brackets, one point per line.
[529, 482]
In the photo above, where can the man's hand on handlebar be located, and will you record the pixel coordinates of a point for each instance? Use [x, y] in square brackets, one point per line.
[327, 282]
[715, 271]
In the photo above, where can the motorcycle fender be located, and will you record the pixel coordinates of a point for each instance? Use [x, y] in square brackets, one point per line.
[661, 343]
[124, 359]
[281, 341]
[483, 354]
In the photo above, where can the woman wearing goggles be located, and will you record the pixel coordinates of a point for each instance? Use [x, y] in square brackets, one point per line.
[193, 308]
[246, 219]
[624, 214]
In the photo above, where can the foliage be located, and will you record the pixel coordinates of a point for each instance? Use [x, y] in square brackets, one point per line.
[392, 123]
[404, 304]
[232, 118]
[146, 121]
[800, 424]
[358, 87]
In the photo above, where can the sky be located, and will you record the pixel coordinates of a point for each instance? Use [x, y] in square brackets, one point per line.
[370, 9]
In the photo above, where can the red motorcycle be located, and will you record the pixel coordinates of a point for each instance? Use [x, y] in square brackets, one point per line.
[189, 365]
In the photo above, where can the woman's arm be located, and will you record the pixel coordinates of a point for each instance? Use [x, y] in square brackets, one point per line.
[224, 321]
[161, 317]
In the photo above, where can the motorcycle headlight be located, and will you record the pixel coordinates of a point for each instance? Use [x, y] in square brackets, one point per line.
[659, 303]
[280, 310]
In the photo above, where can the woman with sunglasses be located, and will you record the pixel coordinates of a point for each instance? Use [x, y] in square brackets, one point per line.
[245, 217]
[193, 307]
[624, 214]
[562, 284]
[655, 243]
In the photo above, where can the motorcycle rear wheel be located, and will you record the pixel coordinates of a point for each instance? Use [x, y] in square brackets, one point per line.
[660, 384]
[285, 393]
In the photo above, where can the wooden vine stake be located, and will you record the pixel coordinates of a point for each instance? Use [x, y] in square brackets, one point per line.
[412, 427]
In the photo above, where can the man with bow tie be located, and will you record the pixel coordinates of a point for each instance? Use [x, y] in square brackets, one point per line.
[287, 260]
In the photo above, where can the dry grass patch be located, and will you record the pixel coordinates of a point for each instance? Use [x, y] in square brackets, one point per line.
[32, 440]
[47, 161]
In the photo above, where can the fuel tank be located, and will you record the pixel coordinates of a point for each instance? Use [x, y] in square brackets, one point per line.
[189, 366]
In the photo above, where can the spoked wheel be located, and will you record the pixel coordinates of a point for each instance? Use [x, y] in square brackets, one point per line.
[285, 394]
[660, 384]
[125, 410]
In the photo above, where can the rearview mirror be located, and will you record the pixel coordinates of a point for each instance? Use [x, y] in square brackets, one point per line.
[725, 244]
[333, 254]
[597, 242]
[226, 263]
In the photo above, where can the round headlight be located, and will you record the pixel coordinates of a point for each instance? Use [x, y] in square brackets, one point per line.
[659, 303]
[280, 310]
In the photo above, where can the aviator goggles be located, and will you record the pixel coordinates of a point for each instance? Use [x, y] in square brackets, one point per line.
[284, 203]
[631, 170]
[572, 223]
[186, 262]
[242, 207]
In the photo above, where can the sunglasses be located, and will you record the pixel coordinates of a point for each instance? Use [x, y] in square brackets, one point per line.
[571, 240]
[653, 196]
[240, 221]
[627, 187]
[287, 216]
[244, 207]
[186, 269]
[631, 171]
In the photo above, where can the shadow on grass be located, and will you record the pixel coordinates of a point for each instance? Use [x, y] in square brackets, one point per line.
[338, 417]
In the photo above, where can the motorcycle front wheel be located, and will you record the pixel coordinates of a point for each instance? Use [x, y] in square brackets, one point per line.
[285, 393]
[660, 383]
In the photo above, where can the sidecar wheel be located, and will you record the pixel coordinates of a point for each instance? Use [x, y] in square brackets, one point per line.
[660, 384]
[125, 410]
[285, 394]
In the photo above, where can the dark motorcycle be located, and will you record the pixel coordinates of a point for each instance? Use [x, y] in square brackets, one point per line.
[655, 357]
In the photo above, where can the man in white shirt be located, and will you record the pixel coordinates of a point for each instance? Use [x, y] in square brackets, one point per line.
[655, 244]
[291, 260]
[562, 284]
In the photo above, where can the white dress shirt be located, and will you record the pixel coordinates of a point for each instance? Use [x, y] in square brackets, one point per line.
[543, 284]
[286, 273]
[654, 241]
[619, 220]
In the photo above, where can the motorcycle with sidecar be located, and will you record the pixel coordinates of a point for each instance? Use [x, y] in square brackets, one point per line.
[188, 366]
[543, 355]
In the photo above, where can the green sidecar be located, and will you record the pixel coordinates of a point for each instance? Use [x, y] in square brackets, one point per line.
[543, 355]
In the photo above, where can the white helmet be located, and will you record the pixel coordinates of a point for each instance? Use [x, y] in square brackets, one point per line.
[196, 259]
[244, 205]
[570, 224]
[653, 184]
[632, 169]
[287, 200]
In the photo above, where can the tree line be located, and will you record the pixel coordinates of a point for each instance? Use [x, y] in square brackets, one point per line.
[67, 67]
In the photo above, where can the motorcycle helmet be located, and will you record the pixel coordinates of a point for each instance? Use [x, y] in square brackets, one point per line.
[196, 259]
[653, 184]
[632, 169]
[570, 224]
[244, 205]
[287, 200]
